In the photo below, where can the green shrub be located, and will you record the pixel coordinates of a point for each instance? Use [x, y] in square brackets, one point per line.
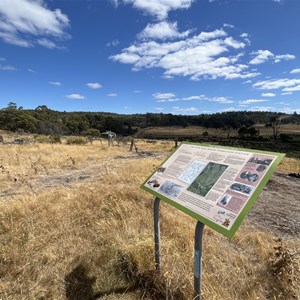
[43, 139]
[76, 141]
[55, 139]
[92, 132]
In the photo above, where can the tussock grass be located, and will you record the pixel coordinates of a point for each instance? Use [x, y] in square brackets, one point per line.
[289, 165]
[94, 240]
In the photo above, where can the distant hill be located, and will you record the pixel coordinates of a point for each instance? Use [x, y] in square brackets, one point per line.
[43, 120]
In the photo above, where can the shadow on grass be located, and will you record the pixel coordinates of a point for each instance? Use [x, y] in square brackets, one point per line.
[150, 284]
[79, 286]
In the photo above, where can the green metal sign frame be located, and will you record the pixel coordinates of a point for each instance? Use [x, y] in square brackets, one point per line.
[228, 232]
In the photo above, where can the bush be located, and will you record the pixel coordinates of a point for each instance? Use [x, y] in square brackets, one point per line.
[43, 139]
[92, 132]
[76, 141]
[285, 137]
[55, 139]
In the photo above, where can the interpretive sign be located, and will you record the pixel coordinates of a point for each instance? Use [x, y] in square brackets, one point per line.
[213, 184]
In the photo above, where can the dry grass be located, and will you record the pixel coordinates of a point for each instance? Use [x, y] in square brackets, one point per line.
[175, 131]
[284, 128]
[94, 239]
[289, 165]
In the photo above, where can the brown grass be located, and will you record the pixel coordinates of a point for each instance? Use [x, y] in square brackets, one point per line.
[289, 165]
[94, 239]
[284, 128]
[175, 131]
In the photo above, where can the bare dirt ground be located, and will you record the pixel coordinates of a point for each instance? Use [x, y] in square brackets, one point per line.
[277, 210]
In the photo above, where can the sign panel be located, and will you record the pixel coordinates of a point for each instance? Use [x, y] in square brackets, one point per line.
[213, 184]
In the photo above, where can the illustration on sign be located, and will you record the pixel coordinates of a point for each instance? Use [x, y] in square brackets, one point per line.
[216, 185]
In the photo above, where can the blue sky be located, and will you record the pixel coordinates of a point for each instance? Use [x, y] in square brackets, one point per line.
[138, 56]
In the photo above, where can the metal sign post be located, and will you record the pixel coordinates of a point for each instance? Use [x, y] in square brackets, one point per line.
[197, 253]
[198, 260]
[157, 233]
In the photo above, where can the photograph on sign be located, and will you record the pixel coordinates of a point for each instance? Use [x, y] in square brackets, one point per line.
[216, 185]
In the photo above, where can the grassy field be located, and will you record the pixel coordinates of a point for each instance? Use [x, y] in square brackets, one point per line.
[288, 140]
[74, 224]
[177, 131]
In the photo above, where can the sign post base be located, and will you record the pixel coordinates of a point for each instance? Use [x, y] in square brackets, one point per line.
[198, 261]
[197, 253]
[157, 233]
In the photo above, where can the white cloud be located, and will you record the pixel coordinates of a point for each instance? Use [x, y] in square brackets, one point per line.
[184, 109]
[55, 83]
[251, 101]
[245, 36]
[168, 100]
[197, 57]
[163, 96]
[94, 85]
[295, 71]
[115, 3]
[7, 68]
[126, 58]
[162, 31]
[46, 43]
[157, 8]
[273, 84]
[170, 97]
[31, 70]
[247, 81]
[28, 22]
[279, 58]
[228, 25]
[190, 98]
[113, 43]
[268, 95]
[292, 89]
[223, 100]
[289, 110]
[262, 56]
[286, 93]
[75, 96]
[137, 91]
[112, 95]
[261, 108]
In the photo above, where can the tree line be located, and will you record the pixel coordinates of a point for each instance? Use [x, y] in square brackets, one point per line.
[43, 120]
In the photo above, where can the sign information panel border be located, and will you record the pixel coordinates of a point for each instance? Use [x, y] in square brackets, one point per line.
[215, 185]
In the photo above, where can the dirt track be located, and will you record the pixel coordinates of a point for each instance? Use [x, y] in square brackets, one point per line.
[277, 210]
